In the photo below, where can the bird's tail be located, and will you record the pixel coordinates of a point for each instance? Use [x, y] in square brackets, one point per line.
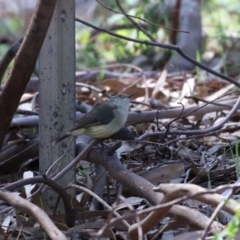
[61, 138]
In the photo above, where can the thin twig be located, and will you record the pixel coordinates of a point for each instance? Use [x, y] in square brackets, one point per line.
[75, 160]
[218, 208]
[165, 46]
[140, 18]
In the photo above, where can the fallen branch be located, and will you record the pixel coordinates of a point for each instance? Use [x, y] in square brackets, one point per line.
[41, 217]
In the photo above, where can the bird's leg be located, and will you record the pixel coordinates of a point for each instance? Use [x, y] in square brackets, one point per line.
[103, 145]
[110, 149]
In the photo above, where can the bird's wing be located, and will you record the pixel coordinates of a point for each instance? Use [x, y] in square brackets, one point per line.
[100, 114]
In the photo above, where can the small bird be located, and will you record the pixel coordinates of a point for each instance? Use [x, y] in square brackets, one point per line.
[103, 120]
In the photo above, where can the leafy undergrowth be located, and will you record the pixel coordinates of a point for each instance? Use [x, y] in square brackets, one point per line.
[191, 145]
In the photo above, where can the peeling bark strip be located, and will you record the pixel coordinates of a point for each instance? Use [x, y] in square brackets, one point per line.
[24, 64]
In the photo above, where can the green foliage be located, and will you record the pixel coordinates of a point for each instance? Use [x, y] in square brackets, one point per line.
[237, 158]
[220, 19]
[221, 23]
[88, 55]
[232, 228]
[10, 25]
[102, 48]
[82, 173]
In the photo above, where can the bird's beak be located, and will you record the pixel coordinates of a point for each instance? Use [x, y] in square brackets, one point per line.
[130, 95]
